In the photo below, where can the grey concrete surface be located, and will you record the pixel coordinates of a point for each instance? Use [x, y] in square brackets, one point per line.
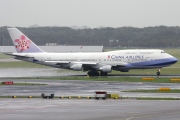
[58, 109]
[36, 72]
[55, 72]
[85, 88]
[88, 109]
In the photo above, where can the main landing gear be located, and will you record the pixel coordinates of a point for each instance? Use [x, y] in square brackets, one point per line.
[93, 73]
[96, 73]
[158, 72]
[103, 73]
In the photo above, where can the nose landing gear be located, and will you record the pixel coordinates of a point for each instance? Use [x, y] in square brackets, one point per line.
[158, 72]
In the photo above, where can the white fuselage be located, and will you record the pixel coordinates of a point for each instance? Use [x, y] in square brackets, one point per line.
[121, 60]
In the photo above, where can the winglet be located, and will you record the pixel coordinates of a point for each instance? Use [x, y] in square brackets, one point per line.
[22, 43]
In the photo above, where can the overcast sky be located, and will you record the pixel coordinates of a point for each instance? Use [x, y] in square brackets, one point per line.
[92, 13]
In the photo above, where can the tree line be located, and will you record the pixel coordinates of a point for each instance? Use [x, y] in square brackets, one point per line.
[131, 37]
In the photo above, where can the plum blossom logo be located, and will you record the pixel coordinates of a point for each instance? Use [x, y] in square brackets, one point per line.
[22, 43]
[108, 56]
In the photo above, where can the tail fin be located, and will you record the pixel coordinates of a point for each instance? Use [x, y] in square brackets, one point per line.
[22, 43]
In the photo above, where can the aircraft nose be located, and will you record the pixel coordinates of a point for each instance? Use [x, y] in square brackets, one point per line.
[174, 60]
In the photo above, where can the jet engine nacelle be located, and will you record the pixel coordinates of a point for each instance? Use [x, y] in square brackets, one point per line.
[76, 67]
[106, 69]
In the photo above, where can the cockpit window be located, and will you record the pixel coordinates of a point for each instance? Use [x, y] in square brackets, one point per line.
[163, 52]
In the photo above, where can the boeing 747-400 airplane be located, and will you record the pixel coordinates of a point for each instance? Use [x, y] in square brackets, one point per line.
[100, 63]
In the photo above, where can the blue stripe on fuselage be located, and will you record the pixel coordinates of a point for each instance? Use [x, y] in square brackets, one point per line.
[162, 64]
[156, 62]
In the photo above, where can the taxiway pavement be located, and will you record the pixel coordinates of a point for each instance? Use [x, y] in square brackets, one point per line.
[86, 109]
[85, 88]
[61, 109]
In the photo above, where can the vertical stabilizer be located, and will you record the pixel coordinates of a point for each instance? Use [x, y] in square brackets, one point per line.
[22, 43]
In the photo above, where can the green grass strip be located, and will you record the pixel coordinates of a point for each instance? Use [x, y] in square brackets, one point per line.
[154, 91]
[157, 98]
[116, 79]
[23, 84]
[83, 97]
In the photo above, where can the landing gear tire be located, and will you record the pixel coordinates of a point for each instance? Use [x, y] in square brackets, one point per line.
[93, 73]
[103, 73]
[158, 73]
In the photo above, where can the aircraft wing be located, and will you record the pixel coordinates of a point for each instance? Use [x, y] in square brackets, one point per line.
[58, 62]
[67, 62]
[124, 64]
[120, 64]
[86, 63]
